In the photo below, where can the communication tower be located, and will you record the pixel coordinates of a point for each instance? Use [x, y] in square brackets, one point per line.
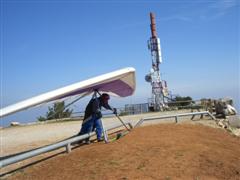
[159, 87]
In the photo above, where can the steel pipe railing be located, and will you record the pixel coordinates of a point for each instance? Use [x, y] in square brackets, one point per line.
[66, 143]
[173, 116]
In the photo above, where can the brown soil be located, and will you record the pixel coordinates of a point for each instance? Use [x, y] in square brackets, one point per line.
[166, 151]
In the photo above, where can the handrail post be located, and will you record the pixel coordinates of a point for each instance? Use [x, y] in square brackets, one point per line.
[68, 148]
[210, 114]
[176, 119]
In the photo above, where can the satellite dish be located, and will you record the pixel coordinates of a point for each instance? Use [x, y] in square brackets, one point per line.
[151, 70]
[148, 78]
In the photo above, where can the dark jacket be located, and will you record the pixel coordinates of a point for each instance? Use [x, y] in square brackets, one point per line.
[94, 108]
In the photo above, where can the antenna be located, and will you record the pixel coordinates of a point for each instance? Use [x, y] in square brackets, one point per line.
[158, 86]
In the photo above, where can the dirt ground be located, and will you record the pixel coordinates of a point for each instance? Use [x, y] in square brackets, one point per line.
[163, 151]
[23, 138]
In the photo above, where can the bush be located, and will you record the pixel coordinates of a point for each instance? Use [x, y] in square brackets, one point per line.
[181, 102]
[56, 112]
[41, 118]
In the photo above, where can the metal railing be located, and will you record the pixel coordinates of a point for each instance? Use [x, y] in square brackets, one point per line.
[66, 143]
[176, 116]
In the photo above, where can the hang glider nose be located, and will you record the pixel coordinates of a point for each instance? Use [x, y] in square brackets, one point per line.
[120, 83]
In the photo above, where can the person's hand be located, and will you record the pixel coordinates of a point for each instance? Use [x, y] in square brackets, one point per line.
[114, 111]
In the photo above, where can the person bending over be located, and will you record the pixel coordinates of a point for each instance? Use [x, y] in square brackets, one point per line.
[93, 115]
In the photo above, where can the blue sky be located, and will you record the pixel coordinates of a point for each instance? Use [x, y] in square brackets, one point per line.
[50, 44]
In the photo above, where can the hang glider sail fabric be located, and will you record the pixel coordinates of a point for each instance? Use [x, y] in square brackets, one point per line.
[120, 83]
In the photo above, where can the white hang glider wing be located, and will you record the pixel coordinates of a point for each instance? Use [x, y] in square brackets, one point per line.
[120, 83]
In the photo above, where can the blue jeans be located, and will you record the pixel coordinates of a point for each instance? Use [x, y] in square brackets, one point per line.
[99, 129]
[90, 126]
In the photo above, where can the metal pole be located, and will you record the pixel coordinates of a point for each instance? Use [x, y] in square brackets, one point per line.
[139, 123]
[104, 132]
[210, 114]
[122, 122]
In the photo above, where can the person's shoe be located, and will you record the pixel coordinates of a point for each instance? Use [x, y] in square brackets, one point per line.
[100, 140]
[80, 142]
[87, 142]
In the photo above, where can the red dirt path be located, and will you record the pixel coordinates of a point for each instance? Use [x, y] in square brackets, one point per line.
[163, 151]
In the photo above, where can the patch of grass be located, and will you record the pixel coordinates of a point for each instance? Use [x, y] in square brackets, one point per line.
[167, 178]
[113, 163]
[179, 154]
[141, 166]
[197, 178]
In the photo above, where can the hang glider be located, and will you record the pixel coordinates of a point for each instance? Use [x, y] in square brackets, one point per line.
[120, 83]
